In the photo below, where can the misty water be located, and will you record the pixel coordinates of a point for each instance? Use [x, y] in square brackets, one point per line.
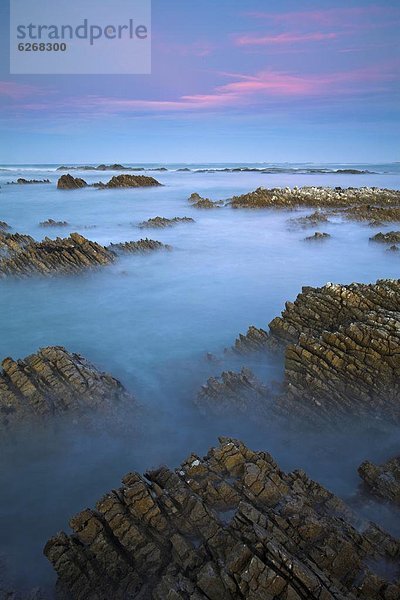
[150, 320]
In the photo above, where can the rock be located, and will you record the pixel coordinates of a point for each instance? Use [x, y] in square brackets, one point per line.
[311, 220]
[4, 226]
[382, 481]
[317, 237]
[199, 202]
[102, 167]
[255, 340]
[22, 256]
[145, 245]
[52, 223]
[228, 526]
[129, 181]
[161, 222]
[375, 215]
[315, 196]
[392, 237]
[393, 248]
[22, 181]
[237, 392]
[53, 382]
[67, 182]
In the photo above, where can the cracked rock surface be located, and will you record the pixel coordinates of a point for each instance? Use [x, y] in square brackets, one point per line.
[382, 481]
[227, 526]
[53, 382]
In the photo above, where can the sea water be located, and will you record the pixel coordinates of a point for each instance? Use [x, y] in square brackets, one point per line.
[151, 319]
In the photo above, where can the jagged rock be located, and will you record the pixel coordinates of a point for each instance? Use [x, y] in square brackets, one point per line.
[255, 340]
[129, 181]
[161, 222]
[22, 181]
[392, 237]
[67, 182]
[314, 196]
[199, 202]
[4, 226]
[375, 215]
[382, 481]
[238, 392]
[114, 167]
[52, 223]
[310, 220]
[145, 245]
[317, 237]
[226, 527]
[22, 256]
[53, 382]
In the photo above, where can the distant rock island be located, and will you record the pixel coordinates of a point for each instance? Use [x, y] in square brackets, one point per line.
[114, 167]
[67, 182]
[22, 181]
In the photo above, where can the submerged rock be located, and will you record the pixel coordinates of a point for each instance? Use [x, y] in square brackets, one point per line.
[382, 481]
[161, 222]
[129, 181]
[230, 525]
[22, 256]
[392, 237]
[52, 223]
[22, 181]
[317, 237]
[53, 382]
[199, 202]
[310, 220]
[255, 340]
[4, 226]
[67, 182]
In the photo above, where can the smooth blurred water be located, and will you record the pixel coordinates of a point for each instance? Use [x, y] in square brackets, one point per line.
[150, 320]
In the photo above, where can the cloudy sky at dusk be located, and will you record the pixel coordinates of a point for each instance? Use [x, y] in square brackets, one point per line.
[231, 81]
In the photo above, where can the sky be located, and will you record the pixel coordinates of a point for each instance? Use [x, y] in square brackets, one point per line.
[231, 81]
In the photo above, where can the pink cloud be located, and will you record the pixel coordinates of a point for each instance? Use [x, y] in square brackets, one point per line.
[328, 17]
[16, 91]
[283, 38]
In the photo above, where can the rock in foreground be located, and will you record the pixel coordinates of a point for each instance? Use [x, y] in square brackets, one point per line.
[54, 382]
[391, 237]
[129, 181]
[200, 202]
[229, 526]
[67, 182]
[382, 481]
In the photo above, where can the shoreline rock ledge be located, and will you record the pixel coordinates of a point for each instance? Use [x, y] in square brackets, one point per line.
[53, 382]
[228, 526]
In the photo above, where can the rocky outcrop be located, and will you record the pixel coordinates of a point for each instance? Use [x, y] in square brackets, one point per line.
[199, 202]
[315, 196]
[102, 167]
[255, 340]
[67, 182]
[228, 526]
[162, 222]
[22, 181]
[4, 226]
[22, 256]
[392, 237]
[238, 392]
[382, 481]
[54, 382]
[375, 215]
[311, 220]
[52, 223]
[317, 237]
[129, 181]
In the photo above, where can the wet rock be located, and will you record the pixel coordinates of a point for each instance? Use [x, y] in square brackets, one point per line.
[392, 237]
[237, 392]
[311, 220]
[317, 237]
[161, 222]
[393, 248]
[199, 202]
[67, 182]
[315, 196]
[227, 526]
[129, 181]
[145, 245]
[382, 481]
[255, 340]
[52, 223]
[375, 215]
[53, 382]
[22, 181]
[4, 226]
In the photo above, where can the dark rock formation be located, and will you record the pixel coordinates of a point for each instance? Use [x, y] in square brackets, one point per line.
[145, 245]
[229, 526]
[67, 182]
[22, 256]
[311, 220]
[129, 181]
[4, 226]
[315, 196]
[161, 222]
[382, 481]
[199, 202]
[52, 223]
[238, 392]
[255, 340]
[317, 237]
[22, 181]
[53, 382]
[393, 248]
[375, 215]
[102, 167]
[392, 237]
